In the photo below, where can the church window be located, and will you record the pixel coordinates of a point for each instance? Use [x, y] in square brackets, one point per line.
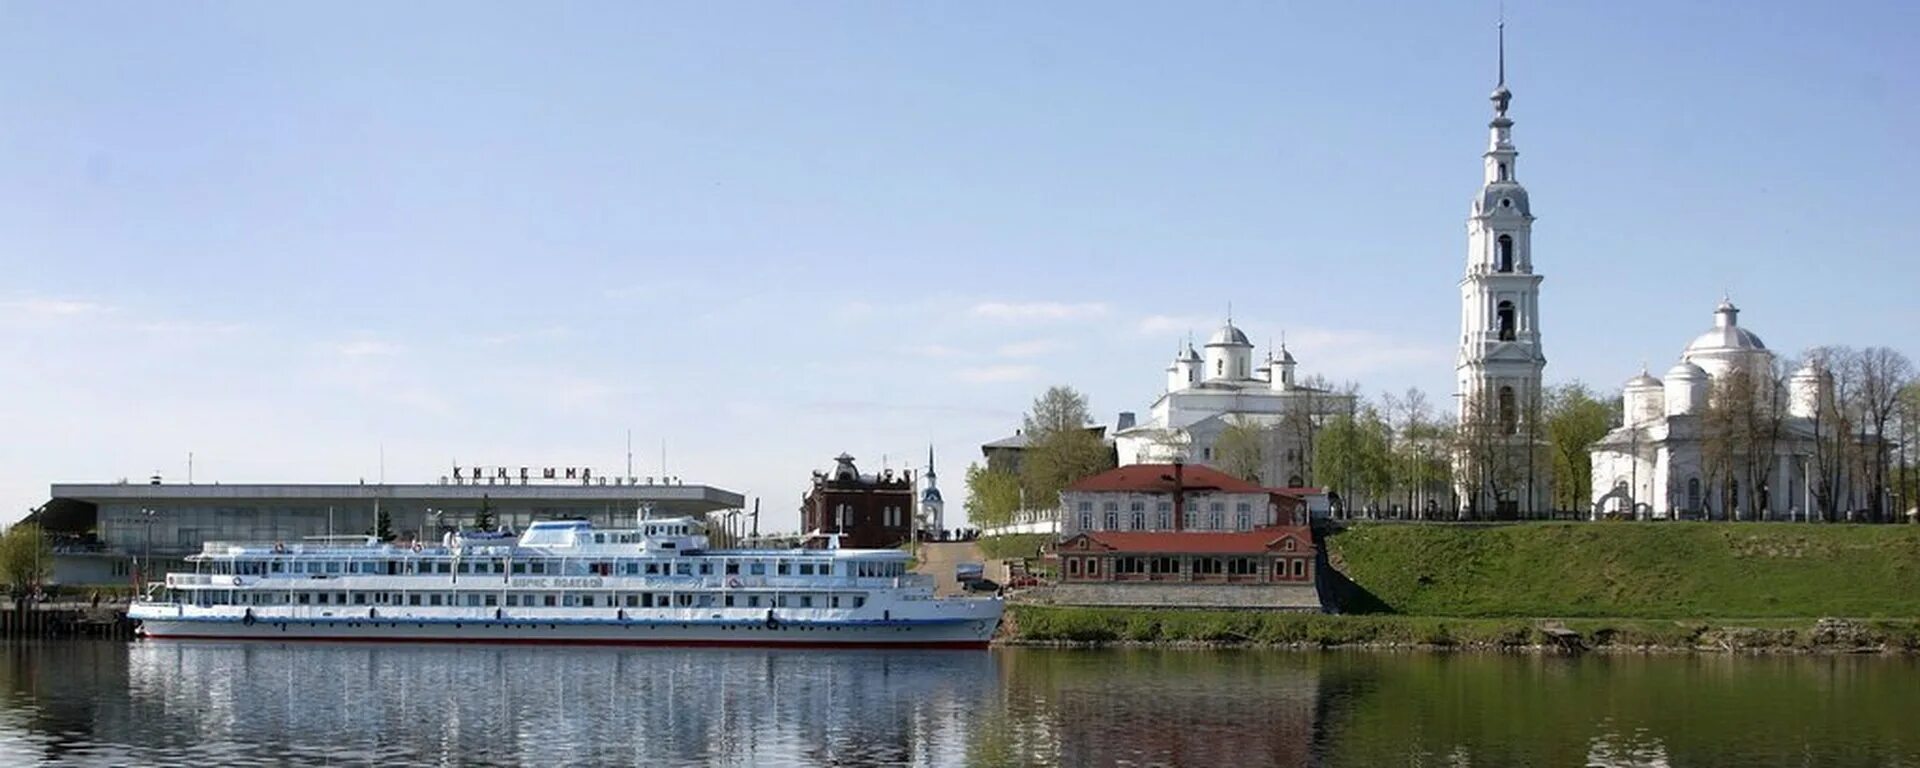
[1505, 320]
[1086, 521]
[1506, 202]
[1503, 254]
[1163, 514]
[1113, 520]
[1509, 416]
[1503, 171]
[1219, 367]
[1139, 520]
[1693, 494]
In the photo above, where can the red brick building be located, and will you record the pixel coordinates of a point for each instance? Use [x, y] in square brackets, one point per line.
[868, 511]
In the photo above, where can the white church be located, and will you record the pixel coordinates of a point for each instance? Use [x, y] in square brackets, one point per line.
[1653, 466]
[1499, 366]
[1206, 394]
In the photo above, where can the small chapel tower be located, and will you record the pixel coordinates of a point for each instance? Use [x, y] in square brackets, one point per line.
[1500, 361]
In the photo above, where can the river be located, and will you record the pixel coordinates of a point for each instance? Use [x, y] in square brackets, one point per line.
[206, 704]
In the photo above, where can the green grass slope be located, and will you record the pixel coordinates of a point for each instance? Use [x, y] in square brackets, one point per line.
[1677, 570]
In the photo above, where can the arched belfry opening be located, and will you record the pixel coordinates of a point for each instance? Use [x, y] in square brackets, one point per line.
[1505, 321]
[1503, 254]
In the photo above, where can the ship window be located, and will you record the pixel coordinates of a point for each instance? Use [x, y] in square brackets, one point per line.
[411, 599]
[359, 598]
[757, 568]
[806, 569]
[653, 569]
[728, 601]
[683, 569]
[333, 567]
[434, 599]
[733, 567]
[473, 600]
[706, 569]
[633, 601]
[549, 599]
[278, 566]
[492, 600]
[753, 601]
[826, 569]
[599, 538]
[306, 597]
[513, 599]
[806, 601]
[783, 568]
[683, 600]
[630, 568]
[859, 601]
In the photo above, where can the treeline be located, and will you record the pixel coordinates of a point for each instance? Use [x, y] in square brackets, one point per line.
[1061, 448]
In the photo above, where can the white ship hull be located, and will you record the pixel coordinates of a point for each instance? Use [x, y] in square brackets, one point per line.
[970, 624]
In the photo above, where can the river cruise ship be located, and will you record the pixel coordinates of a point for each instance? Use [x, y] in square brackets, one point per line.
[562, 582]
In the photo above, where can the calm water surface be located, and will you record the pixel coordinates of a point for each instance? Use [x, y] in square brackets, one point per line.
[207, 704]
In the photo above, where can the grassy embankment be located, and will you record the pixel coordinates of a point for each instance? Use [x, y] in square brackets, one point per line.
[1629, 585]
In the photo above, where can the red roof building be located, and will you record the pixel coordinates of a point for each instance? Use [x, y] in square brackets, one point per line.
[1182, 523]
[1278, 555]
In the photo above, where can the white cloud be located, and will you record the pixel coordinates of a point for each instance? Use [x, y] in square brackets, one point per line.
[1037, 310]
[54, 308]
[1163, 324]
[995, 374]
[935, 351]
[368, 348]
[1034, 348]
[535, 334]
[1343, 353]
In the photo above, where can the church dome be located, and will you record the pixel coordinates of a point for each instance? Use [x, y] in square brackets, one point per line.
[1503, 197]
[1726, 335]
[1685, 371]
[1643, 381]
[1229, 336]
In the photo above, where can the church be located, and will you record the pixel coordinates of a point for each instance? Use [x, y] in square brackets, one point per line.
[1499, 467]
[1658, 463]
[1207, 394]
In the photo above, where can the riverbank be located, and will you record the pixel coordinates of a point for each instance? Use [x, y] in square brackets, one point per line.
[1034, 625]
[1644, 570]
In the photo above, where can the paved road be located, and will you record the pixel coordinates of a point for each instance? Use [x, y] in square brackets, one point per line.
[938, 560]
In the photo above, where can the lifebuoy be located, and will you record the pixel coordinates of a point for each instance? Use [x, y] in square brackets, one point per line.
[733, 582]
[236, 581]
[279, 547]
[416, 546]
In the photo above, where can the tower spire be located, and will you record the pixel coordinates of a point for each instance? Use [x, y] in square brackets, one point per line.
[1501, 96]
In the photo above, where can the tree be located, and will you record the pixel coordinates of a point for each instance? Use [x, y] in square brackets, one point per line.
[1834, 417]
[1492, 463]
[1739, 432]
[483, 520]
[383, 526]
[1060, 449]
[1883, 374]
[1241, 450]
[992, 496]
[26, 558]
[1314, 401]
[1353, 454]
[1575, 420]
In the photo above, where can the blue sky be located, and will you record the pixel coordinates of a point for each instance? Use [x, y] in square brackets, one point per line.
[286, 237]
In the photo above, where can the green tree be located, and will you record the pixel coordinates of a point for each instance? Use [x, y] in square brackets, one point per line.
[1353, 455]
[1575, 420]
[26, 558]
[483, 520]
[383, 526]
[1241, 450]
[1060, 449]
[992, 496]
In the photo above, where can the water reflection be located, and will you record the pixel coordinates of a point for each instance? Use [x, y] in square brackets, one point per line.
[247, 703]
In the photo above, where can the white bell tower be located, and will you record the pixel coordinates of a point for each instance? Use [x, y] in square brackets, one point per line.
[1500, 361]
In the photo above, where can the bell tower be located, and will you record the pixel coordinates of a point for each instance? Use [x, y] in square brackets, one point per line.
[1500, 361]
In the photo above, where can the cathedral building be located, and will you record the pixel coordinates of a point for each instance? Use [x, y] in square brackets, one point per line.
[1208, 393]
[1499, 469]
[1660, 462]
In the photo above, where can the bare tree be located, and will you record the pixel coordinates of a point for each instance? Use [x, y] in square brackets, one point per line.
[1740, 433]
[1833, 422]
[1883, 373]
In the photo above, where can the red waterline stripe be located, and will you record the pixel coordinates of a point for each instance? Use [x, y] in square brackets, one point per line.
[970, 645]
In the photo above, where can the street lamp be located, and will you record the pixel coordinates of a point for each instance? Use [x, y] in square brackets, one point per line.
[146, 568]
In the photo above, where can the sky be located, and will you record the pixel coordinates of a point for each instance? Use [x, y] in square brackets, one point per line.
[335, 242]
